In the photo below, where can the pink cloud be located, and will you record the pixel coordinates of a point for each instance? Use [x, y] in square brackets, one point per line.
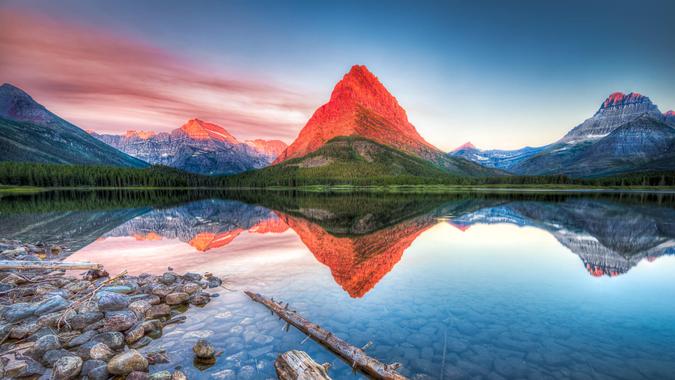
[111, 83]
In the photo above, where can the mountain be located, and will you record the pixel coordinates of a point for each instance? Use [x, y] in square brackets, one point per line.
[616, 110]
[31, 133]
[361, 106]
[353, 160]
[197, 147]
[627, 134]
[495, 158]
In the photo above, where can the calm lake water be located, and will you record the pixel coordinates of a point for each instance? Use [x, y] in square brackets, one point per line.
[460, 286]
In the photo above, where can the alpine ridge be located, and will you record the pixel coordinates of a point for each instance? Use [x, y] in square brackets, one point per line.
[197, 147]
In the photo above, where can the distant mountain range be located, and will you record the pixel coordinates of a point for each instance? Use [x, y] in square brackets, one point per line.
[627, 134]
[197, 147]
[31, 133]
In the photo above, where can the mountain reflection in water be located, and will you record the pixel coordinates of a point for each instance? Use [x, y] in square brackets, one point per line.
[361, 238]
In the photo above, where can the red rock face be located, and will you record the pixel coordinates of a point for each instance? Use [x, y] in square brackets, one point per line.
[360, 106]
[359, 263]
[139, 134]
[619, 98]
[271, 148]
[201, 130]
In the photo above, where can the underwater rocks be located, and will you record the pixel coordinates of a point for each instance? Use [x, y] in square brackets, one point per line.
[60, 326]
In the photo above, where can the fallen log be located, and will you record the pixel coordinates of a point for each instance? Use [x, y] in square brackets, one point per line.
[25, 265]
[297, 365]
[353, 355]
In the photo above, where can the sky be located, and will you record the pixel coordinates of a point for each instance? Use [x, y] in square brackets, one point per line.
[499, 74]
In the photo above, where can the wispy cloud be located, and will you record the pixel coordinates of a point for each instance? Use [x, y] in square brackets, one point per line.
[110, 83]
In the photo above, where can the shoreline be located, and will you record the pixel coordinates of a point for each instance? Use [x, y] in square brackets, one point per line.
[56, 324]
[393, 189]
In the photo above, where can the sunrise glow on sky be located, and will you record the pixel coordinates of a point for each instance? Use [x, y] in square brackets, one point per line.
[500, 75]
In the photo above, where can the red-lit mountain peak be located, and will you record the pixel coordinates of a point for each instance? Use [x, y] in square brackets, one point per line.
[201, 130]
[360, 105]
[466, 145]
[144, 135]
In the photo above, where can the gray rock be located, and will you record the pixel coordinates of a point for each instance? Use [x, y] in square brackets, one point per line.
[119, 320]
[158, 311]
[127, 362]
[44, 344]
[161, 375]
[100, 351]
[68, 367]
[176, 298]
[204, 351]
[178, 375]
[99, 373]
[88, 365]
[111, 301]
[82, 320]
[134, 334]
[138, 375]
[192, 276]
[168, 278]
[50, 357]
[200, 299]
[191, 288]
[80, 339]
[52, 304]
[123, 289]
[112, 339]
[140, 307]
[19, 311]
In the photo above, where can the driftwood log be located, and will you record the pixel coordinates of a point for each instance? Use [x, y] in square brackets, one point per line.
[25, 265]
[297, 365]
[353, 355]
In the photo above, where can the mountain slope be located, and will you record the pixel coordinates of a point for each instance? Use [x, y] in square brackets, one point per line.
[629, 148]
[349, 160]
[197, 147]
[495, 158]
[30, 133]
[361, 106]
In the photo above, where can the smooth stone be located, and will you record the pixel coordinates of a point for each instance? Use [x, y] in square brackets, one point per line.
[176, 298]
[138, 375]
[168, 278]
[214, 282]
[151, 298]
[191, 288]
[68, 367]
[112, 339]
[82, 320]
[119, 320]
[44, 344]
[178, 375]
[144, 341]
[100, 351]
[200, 298]
[140, 307]
[50, 357]
[50, 305]
[204, 350]
[158, 311]
[88, 365]
[123, 289]
[127, 362]
[80, 339]
[111, 301]
[152, 325]
[161, 290]
[19, 311]
[161, 375]
[190, 276]
[134, 334]
[24, 330]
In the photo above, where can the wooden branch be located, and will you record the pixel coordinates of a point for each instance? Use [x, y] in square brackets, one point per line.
[24, 265]
[297, 365]
[353, 355]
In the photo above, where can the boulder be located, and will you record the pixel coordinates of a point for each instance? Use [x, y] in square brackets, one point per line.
[127, 362]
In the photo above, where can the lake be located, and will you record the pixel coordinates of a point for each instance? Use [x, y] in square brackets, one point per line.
[454, 286]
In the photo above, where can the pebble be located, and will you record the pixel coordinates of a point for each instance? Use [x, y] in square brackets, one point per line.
[127, 362]
[44, 344]
[111, 301]
[176, 298]
[158, 311]
[161, 375]
[119, 320]
[204, 351]
[68, 367]
[100, 351]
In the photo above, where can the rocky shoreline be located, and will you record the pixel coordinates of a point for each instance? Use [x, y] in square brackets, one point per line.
[62, 325]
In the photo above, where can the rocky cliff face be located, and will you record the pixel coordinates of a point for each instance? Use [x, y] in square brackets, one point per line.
[270, 149]
[669, 117]
[197, 147]
[31, 133]
[616, 110]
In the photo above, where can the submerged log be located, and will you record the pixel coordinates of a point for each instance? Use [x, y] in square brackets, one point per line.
[355, 356]
[297, 365]
[24, 265]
